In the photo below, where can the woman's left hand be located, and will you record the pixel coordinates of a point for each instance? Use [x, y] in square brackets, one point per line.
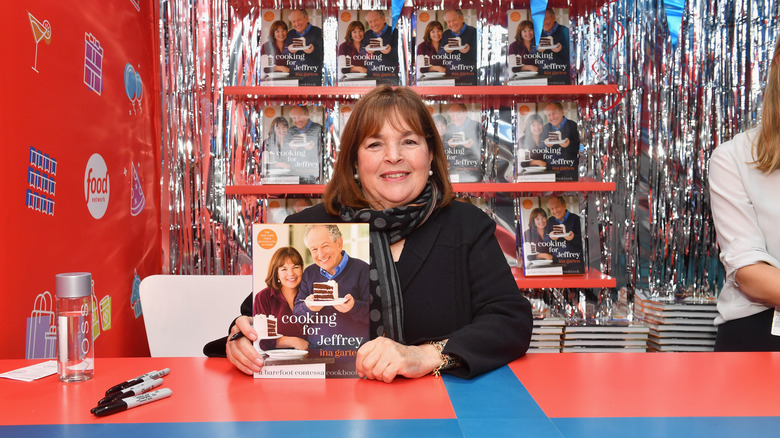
[384, 359]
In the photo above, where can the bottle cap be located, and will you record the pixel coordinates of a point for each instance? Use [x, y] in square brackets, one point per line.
[74, 284]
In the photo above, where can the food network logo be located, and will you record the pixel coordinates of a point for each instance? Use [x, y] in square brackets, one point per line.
[96, 186]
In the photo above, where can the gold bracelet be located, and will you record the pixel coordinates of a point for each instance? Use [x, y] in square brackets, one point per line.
[447, 361]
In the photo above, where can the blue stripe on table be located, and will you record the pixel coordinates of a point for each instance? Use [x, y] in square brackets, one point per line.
[497, 404]
[445, 428]
[651, 427]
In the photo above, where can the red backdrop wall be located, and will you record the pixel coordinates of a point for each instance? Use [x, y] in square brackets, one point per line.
[80, 168]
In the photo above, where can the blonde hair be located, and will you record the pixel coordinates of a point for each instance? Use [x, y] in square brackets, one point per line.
[766, 148]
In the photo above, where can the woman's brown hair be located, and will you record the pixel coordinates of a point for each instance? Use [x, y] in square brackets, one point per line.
[278, 260]
[399, 106]
[429, 28]
[350, 28]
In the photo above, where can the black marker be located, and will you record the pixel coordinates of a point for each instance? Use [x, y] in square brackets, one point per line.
[145, 386]
[151, 375]
[131, 402]
[236, 335]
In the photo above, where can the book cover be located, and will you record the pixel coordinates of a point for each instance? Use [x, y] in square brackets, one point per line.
[548, 142]
[310, 287]
[367, 49]
[551, 233]
[292, 47]
[446, 47]
[545, 63]
[292, 147]
[459, 125]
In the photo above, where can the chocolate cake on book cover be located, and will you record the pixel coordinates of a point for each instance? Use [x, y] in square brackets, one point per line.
[551, 231]
[326, 291]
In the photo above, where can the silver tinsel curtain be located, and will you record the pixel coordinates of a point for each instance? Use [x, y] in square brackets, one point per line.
[676, 104]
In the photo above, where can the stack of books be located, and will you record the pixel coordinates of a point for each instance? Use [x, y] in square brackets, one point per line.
[612, 336]
[685, 325]
[546, 337]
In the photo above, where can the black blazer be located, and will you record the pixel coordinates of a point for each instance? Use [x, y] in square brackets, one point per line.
[456, 285]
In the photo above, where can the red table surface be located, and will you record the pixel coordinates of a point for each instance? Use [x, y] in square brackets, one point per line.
[206, 390]
[652, 384]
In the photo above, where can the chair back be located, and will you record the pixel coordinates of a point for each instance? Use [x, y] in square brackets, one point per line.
[184, 312]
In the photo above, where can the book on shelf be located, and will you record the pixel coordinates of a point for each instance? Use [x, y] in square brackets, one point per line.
[551, 233]
[548, 330]
[604, 342]
[545, 337]
[650, 312]
[292, 47]
[652, 346]
[533, 349]
[643, 301]
[459, 125]
[706, 328]
[682, 334]
[608, 328]
[546, 344]
[548, 142]
[681, 341]
[292, 145]
[367, 48]
[309, 324]
[578, 349]
[602, 335]
[549, 321]
[446, 47]
[660, 320]
[545, 63]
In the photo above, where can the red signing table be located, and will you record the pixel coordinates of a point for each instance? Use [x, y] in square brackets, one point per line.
[540, 395]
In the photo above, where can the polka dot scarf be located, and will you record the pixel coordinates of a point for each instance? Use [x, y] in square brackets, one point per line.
[387, 227]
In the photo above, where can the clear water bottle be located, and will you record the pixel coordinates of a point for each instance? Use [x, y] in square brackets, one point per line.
[75, 350]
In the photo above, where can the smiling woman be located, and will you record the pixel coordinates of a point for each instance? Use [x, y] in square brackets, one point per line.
[283, 280]
[443, 298]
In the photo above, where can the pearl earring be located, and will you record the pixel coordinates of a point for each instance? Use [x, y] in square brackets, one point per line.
[357, 177]
[430, 173]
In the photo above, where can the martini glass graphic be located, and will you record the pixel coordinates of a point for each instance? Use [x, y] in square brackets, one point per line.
[41, 31]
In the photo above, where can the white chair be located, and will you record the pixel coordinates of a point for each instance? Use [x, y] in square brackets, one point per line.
[184, 312]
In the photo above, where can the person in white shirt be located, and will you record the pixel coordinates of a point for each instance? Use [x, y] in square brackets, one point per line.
[744, 185]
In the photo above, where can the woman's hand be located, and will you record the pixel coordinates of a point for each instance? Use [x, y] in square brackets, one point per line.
[384, 359]
[241, 352]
